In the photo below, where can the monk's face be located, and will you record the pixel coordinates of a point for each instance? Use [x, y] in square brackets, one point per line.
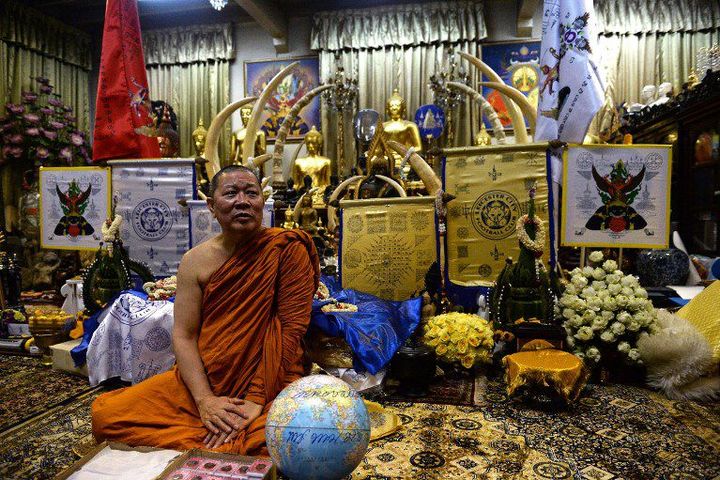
[237, 203]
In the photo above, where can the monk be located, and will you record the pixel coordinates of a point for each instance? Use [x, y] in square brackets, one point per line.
[242, 306]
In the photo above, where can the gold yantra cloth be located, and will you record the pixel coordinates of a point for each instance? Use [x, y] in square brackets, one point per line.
[562, 371]
[387, 245]
[491, 188]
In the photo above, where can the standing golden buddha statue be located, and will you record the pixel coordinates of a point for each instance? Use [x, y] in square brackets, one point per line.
[199, 135]
[314, 165]
[399, 129]
[236, 142]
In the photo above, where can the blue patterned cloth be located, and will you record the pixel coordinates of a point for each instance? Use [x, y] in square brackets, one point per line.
[375, 332]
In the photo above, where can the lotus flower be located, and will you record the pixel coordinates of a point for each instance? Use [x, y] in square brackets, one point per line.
[50, 135]
[55, 102]
[70, 118]
[46, 89]
[33, 132]
[47, 111]
[76, 139]
[57, 125]
[16, 139]
[14, 109]
[31, 117]
[16, 152]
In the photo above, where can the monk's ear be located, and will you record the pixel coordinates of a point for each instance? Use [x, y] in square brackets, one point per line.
[211, 205]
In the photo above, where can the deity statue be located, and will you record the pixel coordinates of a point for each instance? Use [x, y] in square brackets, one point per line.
[289, 222]
[236, 142]
[664, 93]
[307, 215]
[482, 137]
[317, 167]
[399, 129]
[199, 135]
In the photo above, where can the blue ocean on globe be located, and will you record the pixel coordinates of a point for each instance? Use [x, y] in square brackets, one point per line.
[318, 428]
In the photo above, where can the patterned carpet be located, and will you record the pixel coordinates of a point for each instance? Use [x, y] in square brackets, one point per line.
[28, 389]
[457, 390]
[613, 432]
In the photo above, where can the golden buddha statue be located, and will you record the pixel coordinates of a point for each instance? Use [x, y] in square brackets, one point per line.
[307, 217]
[236, 142]
[289, 222]
[482, 137]
[314, 165]
[199, 135]
[399, 129]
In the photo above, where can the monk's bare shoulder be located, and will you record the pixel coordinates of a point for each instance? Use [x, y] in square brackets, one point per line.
[201, 261]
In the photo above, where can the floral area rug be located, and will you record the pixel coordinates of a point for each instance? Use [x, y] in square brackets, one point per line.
[28, 388]
[449, 390]
[43, 447]
[613, 432]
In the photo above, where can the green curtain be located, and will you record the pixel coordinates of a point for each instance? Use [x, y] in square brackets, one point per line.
[189, 67]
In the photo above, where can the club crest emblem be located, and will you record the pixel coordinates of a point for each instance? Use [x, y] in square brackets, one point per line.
[495, 213]
[152, 219]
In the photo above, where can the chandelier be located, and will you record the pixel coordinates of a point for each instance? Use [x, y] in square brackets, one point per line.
[443, 96]
[218, 4]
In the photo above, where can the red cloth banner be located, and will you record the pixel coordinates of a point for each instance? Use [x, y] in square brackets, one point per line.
[122, 103]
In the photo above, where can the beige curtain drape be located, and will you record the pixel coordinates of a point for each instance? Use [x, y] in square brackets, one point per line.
[189, 67]
[648, 42]
[396, 47]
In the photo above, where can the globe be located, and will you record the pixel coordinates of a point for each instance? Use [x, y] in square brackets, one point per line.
[318, 428]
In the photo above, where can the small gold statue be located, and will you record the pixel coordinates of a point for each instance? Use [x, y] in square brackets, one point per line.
[692, 79]
[314, 165]
[236, 142]
[399, 129]
[482, 137]
[306, 216]
[289, 222]
[199, 135]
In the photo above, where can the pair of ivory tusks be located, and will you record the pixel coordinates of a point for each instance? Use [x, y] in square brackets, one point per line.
[512, 98]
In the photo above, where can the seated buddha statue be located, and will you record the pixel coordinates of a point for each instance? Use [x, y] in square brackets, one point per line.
[399, 129]
[307, 216]
[314, 165]
[482, 137]
[236, 142]
[289, 222]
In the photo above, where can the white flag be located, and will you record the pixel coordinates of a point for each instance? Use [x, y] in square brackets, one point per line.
[571, 87]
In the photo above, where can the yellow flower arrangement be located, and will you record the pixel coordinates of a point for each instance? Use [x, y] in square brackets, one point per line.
[460, 337]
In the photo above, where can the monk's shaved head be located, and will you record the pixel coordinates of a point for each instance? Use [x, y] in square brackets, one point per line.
[228, 169]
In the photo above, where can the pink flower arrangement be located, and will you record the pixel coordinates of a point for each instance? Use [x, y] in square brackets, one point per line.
[42, 132]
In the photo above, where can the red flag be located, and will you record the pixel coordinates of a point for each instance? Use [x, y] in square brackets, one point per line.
[122, 98]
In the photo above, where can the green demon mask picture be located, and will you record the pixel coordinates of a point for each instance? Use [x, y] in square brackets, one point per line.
[73, 203]
[617, 191]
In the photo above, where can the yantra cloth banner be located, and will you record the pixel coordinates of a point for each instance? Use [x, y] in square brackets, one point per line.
[616, 196]
[203, 226]
[387, 245]
[155, 227]
[491, 187]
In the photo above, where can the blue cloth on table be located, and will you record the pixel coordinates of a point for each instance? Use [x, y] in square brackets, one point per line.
[375, 332]
[79, 353]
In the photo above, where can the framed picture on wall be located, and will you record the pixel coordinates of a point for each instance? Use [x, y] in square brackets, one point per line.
[74, 203]
[294, 86]
[518, 64]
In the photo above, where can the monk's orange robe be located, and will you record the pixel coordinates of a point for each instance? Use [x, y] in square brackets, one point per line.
[255, 311]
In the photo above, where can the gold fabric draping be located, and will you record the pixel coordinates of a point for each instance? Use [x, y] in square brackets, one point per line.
[633, 61]
[703, 313]
[193, 78]
[561, 371]
[387, 245]
[401, 25]
[378, 71]
[31, 30]
[656, 16]
[199, 43]
[396, 47]
[491, 188]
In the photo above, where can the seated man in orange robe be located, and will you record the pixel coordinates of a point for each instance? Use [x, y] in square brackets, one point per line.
[242, 307]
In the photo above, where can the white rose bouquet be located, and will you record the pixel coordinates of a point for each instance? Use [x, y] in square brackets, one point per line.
[605, 312]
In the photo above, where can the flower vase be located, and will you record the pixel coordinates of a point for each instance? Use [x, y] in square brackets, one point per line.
[29, 208]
